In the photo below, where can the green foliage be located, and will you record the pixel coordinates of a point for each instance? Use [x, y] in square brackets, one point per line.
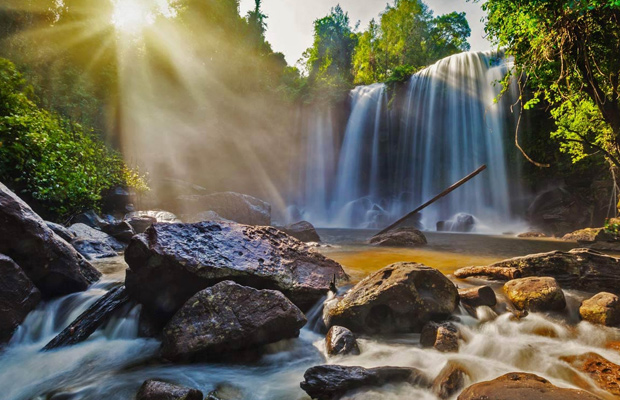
[612, 227]
[59, 164]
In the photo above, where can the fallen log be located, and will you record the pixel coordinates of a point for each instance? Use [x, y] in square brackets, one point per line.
[434, 199]
[91, 319]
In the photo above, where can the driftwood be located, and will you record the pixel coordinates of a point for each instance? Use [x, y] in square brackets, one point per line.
[434, 199]
[91, 319]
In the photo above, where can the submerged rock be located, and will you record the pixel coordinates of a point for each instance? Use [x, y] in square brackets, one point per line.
[18, 296]
[330, 382]
[153, 389]
[581, 269]
[450, 380]
[169, 263]
[229, 317]
[602, 371]
[303, 231]
[400, 237]
[241, 208]
[603, 309]
[443, 337]
[535, 294]
[522, 386]
[341, 341]
[226, 391]
[51, 263]
[401, 297]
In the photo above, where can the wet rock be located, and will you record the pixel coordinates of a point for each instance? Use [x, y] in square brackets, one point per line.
[85, 232]
[303, 231]
[52, 264]
[229, 317]
[160, 216]
[603, 309]
[140, 224]
[588, 235]
[207, 216]
[330, 382]
[450, 380]
[225, 391]
[18, 296]
[341, 341]
[522, 386]
[602, 371]
[157, 390]
[401, 297]
[121, 231]
[93, 249]
[461, 222]
[582, 269]
[535, 294]
[532, 235]
[478, 296]
[89, 218]
[400, 237]
[241, 208]
[61, 231]
[443, 337]
[169, 263]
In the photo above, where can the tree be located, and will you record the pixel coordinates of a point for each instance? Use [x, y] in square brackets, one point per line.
[448, 35]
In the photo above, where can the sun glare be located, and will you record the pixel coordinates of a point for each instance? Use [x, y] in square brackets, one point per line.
[131, 16]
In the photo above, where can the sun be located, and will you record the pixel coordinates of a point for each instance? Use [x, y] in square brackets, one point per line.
[131, 16]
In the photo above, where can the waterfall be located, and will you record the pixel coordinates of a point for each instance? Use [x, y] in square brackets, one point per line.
[400, 148]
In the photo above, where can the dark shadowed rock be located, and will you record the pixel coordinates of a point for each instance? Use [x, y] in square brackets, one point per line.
[581, 269]
[52, 264]
[121, 231]
[18, 296]
[400, 237]
[207, 216]
[89, 218]
[461, 222]
[330, 382]
[535, 294]
[157, 390]
[229, 317]
[341, 341]
[450, 380]
[93, 249]
[84, 232]
[171, 262]
[522, 386]
[558, 211]
[61, 231]
[603, 372]
[140, 224]
[443, 337]
[478, 296]
[401, 297]
[303, 231]
[241, 208]
[603, 309]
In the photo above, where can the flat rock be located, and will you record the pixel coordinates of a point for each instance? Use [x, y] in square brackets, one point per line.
[522, 386]
[241, 208]
[153, 389]
[303, 231]
[401, 297]
[229, 317]
[400, 237]
[329, 382]
[18, 296]
[169, 263]
[603, 308]
[535, 294]
[602, 371]
[51, 263]
[341, 341]
[581, 269]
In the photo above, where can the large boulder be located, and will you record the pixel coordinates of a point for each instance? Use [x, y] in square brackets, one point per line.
[341, 341]
[461, 222]
[229, 317]
[50, 263]
[522, 386]
[401, 297]
[603, 309]
[237, 207]
[400, 237]
[330, 382]
[581, 269]
[535, 294]
[18, 296]
[602, 371]
[93, 243]
[303, 231]
[169, 263]
[154, 389]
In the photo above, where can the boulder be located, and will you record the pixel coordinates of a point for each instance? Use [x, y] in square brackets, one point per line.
[603, 309]
[400, 237]
[581, 269]
[93, 249]
[118, 200]
[89, 218]
[461, 222]
[443, 337]
[535, 294]
[160, 216]
[241, 208]
[140, 224]
[522, 386]
[450, 380]
[478, 296]
[603, 372]
[153, 389]
[169, 263]
[121, 231]
[18, 296]
[229, 317]
[52, 264]
[558, 211]
[531, 235]
[303, 231]
[207, 216]
[61, 231]
[401, 297]
[330, 382]
[85, 232]
[589, 235]
[341, 341]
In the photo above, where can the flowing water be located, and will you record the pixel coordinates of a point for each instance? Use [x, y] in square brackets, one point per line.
[398, 150]
[114, 362]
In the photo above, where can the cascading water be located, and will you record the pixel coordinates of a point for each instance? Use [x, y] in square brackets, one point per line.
[395, 154]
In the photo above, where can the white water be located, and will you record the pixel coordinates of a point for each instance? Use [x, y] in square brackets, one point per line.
[390, 159]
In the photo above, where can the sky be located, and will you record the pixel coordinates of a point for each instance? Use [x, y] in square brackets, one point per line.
[289, 23]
